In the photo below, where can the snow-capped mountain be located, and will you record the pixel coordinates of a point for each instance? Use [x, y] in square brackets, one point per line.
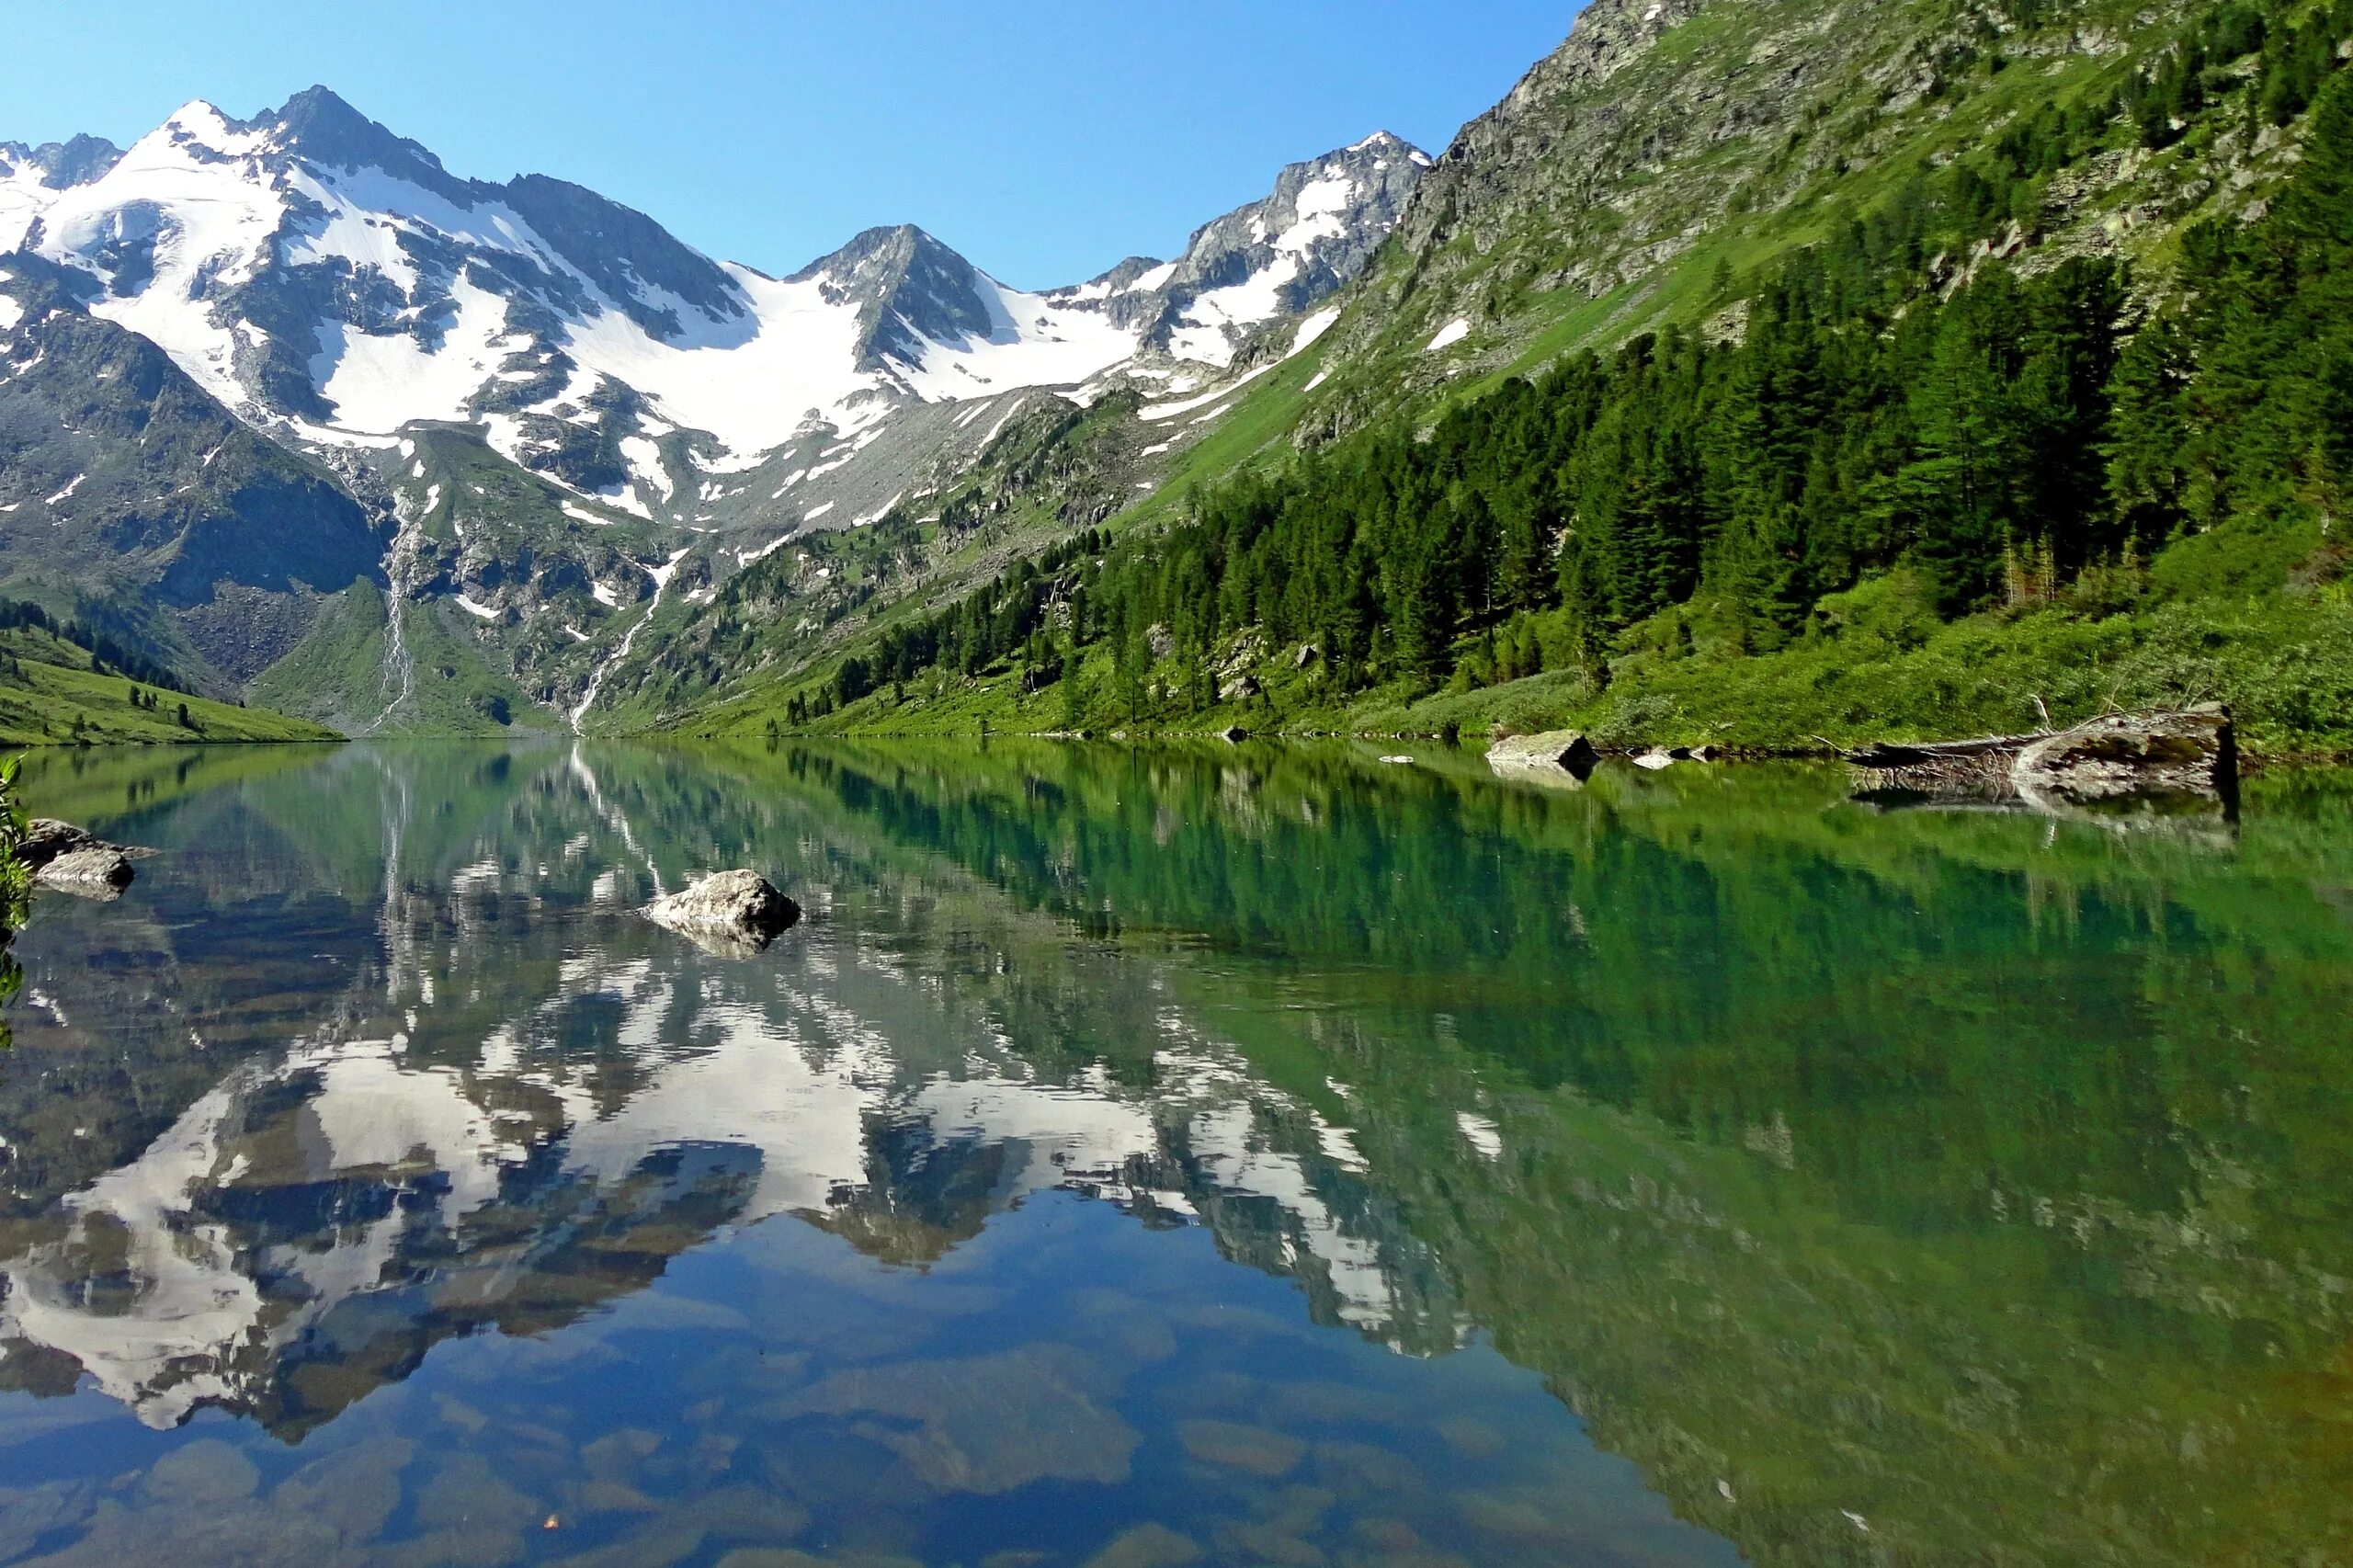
[1276, 257]
[523, 409]
[331, 281]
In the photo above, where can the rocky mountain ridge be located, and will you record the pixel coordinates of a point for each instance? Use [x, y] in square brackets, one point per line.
[550, 404]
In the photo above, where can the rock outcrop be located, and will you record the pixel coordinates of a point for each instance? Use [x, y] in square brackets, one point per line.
[732, 912]
[65, 859]
[2192, 754]
[99, 871]
[1555, 751]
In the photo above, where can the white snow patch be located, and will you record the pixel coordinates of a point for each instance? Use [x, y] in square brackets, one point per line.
[668, 569]
[644, 458]
[1449, 335]
[1314, 328]
[67, 494]
[816, 512]
[1480, 1133]
[379, 383]
[476, 608]
[1159, 412]
[574, 509]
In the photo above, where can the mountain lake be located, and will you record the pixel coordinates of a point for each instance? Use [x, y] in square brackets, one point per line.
[1223, 1154]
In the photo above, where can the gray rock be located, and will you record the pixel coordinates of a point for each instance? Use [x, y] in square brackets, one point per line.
[1557, 751]
[2192, 754]
[66, 858]
[1656, 761]
[46, 838]
[735, 911]
[98, 871]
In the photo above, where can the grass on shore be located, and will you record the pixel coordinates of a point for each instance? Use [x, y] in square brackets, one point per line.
[51, 694]
[2283, 662]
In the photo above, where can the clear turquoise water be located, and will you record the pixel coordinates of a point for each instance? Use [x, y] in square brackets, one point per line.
[1227, 1156]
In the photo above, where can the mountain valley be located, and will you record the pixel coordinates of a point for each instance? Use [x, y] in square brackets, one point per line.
[300, 417]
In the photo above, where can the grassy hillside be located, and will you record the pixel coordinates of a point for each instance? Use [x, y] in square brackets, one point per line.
[51, 695]
[343, 673]
[2008, 379]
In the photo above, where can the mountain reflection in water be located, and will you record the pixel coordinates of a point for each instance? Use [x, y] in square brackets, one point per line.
[1884, 1188]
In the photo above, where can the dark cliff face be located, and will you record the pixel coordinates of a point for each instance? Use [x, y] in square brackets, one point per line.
[64, 164]
[121, 475]
[619, 248]
[908, 288]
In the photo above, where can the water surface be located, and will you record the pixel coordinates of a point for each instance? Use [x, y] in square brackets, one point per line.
[1136, 1158]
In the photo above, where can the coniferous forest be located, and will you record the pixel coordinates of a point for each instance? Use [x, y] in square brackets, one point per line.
[1918, 420]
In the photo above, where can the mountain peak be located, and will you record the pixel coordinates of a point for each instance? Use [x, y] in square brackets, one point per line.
[1389, 144]
[908, 288]
[325, 129]
[64, 164]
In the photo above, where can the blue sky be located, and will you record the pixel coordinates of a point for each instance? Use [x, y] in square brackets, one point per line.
[1046, 139]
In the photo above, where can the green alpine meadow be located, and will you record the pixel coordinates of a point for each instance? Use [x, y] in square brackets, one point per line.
[1612, 830]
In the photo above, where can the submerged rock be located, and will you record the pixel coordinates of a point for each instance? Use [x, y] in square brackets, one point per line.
[1555, 751]
[729, 912]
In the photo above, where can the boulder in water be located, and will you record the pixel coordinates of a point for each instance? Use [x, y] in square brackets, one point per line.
[93, 870]
[1555, 751]
[731, 910]
[66, 858]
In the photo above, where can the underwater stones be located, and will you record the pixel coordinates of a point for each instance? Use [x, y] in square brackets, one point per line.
[1259, 1450]
[356, 1491]
[1148, 1546]
[732, 912]
[206, 1471]
[986, 1425]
